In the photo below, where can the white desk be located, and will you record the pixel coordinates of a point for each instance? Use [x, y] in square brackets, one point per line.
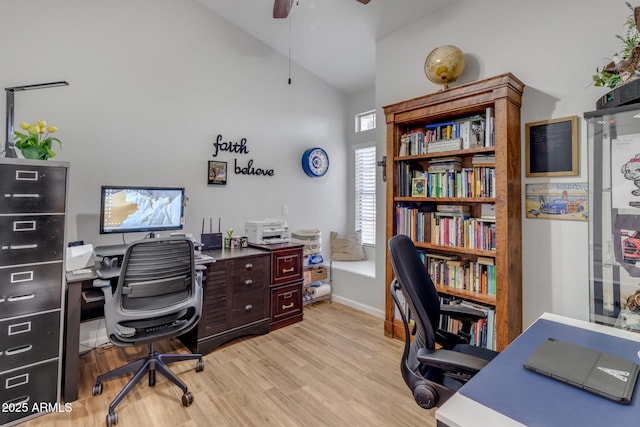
[517, 397]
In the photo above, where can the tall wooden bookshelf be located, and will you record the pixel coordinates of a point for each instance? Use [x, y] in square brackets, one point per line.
[499, 98]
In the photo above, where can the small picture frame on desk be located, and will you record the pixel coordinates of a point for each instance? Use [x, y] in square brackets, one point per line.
[217, 173]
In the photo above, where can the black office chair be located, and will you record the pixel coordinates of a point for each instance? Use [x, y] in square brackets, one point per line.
[158, 296]
[433, 374]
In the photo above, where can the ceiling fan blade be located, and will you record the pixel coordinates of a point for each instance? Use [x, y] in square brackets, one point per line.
[281, 8]
[364, 1]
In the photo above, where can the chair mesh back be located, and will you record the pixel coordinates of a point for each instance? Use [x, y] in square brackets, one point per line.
[157, 273]
[417, 287]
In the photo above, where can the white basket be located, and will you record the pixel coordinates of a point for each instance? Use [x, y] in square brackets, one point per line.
[310, 238]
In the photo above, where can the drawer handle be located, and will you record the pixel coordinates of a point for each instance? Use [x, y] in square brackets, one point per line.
[22, 195]
[18, 350]
[248, 307]
[248, 282]
[18, 247]
[21, 298]
[18, 400]
[284, 307]
[248, 266]
[287, 270]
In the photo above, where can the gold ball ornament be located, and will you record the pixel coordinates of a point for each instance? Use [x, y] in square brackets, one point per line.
[444, 65]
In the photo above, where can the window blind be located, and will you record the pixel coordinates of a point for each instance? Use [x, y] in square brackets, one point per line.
[365, 170]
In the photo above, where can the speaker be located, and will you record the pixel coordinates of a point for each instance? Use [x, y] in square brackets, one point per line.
[629, 93]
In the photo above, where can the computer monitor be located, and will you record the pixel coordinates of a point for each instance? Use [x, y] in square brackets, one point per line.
[127, 209]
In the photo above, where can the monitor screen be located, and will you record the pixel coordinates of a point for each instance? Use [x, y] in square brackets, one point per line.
[139, 209]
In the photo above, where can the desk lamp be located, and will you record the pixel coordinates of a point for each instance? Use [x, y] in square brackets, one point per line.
[9, 147]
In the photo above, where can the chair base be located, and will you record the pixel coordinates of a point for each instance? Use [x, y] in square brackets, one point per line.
[154, 362]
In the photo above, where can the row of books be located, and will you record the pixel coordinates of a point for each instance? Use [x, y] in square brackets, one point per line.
[468, 182]
[482, 333]
[464, 133]
[448, 270]
[446, 229]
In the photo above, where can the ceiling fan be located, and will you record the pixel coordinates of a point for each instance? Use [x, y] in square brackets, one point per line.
[281, 8]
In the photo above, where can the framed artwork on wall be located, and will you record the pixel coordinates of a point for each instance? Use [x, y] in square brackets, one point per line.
[552, 147]
[217, 173]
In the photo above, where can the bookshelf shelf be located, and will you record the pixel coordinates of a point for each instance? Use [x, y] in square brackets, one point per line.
[472, 296]
[455, 249]
[484, 262]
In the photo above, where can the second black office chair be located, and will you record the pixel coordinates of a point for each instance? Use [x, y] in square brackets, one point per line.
[158, 296]
[433, 374]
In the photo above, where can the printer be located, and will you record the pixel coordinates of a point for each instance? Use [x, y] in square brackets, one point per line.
[267, 231]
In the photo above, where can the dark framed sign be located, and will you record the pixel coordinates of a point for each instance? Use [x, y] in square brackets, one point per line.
[552, 147]
[217, 173]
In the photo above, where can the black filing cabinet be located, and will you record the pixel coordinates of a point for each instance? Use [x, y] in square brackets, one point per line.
[33, 197]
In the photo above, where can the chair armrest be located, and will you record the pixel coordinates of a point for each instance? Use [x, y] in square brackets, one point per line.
[461, 312]
[100, 283]
[449, 360]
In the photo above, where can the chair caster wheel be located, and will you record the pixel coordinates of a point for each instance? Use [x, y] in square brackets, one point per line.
[97, 389]
[200, 366]
[187, 399]
[112, 418]
[425, 395]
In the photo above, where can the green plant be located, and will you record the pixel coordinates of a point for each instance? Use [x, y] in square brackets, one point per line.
[36, 144]
[610, 75]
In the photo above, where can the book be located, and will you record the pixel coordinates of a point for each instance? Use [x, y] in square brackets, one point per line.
[444, 145]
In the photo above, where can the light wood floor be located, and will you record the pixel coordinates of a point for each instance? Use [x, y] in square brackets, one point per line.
[335, 368]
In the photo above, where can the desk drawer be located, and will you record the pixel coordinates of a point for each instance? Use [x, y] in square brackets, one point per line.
[30, 289]
[25, 387]
[286, 301]
[28, 339]
[287, 266]
[38, 189]
[249, 307]
[28, 239]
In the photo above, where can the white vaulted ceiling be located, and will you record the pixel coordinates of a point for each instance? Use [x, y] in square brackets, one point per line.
[334, 39]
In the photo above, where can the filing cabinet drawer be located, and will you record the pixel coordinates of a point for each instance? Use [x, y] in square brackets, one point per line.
[287, 266]
[34, 189]
[249, 307]
[23, 388]
[30, 288]
[29, 339]
[28, 239]
[286, 301]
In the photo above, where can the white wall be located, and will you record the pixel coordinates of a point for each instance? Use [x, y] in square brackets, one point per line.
[554, 47]
[152, 82]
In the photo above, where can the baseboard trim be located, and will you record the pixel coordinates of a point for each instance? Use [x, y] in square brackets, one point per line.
[358, 306]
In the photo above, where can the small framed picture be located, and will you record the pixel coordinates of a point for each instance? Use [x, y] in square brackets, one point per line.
[217, 173]
[552, 147]
[419, 187]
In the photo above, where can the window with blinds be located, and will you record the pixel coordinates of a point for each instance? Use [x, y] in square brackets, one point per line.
[365, 170]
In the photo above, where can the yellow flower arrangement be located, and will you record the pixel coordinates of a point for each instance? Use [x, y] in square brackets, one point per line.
[36, 144]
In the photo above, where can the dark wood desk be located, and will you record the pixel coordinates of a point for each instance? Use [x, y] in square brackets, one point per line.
[247, 291]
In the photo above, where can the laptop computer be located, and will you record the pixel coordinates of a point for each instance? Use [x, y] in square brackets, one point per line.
[603, 374]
